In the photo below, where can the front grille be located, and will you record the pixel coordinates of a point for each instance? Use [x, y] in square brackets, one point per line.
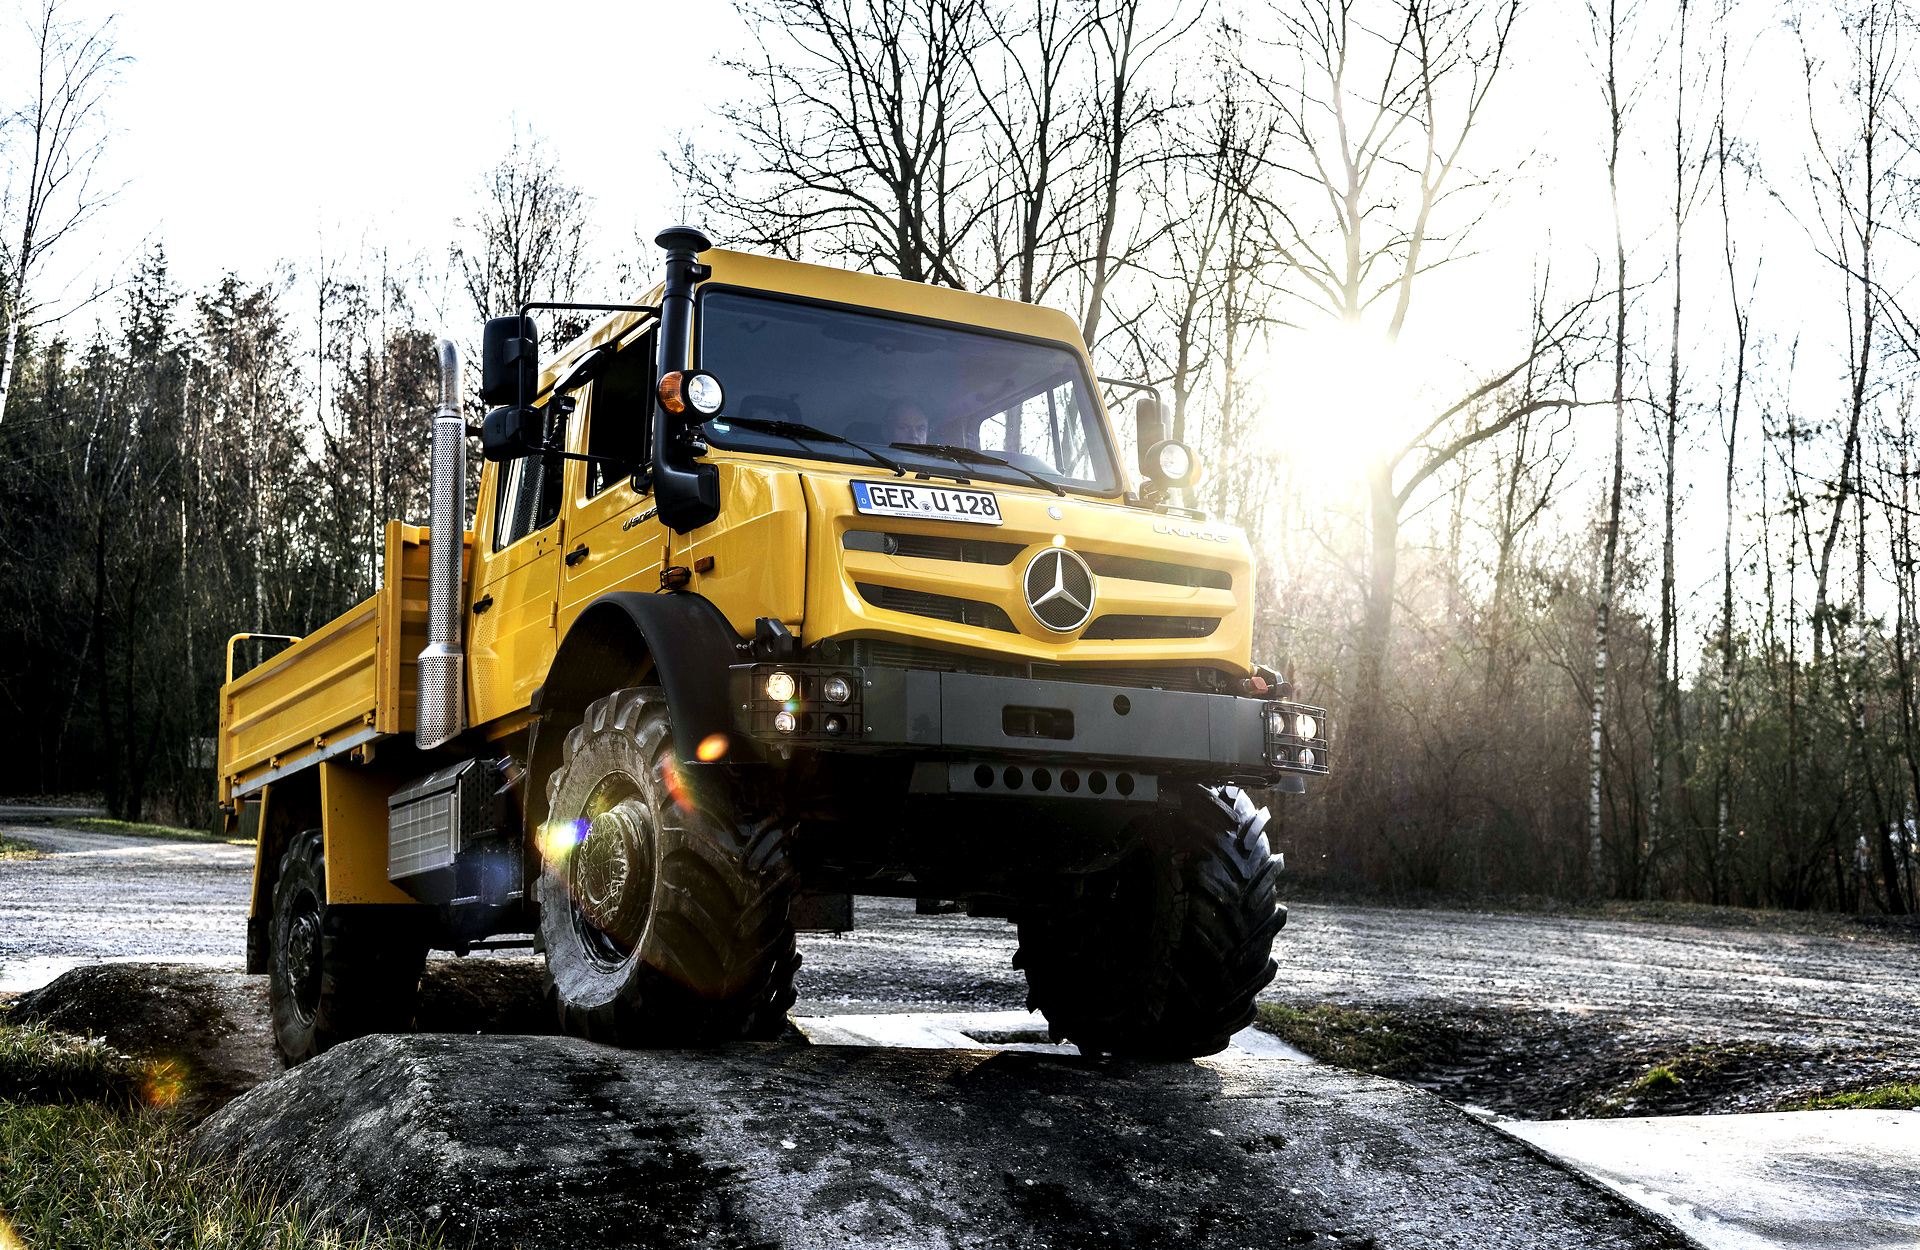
[1111, 627]
[883, 654]
[933, 547]
[939, 607]
[1159, 571]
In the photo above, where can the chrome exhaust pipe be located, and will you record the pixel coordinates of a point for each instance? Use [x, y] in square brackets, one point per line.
[441, 713]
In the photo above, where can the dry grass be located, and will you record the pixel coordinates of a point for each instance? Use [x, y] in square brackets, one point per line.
[10, 849]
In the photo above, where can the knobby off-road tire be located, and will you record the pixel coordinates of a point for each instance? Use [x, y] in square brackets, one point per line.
[337, 971]
[664, 891]
[1161, 958]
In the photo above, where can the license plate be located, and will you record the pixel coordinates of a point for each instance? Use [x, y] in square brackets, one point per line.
[930, 503]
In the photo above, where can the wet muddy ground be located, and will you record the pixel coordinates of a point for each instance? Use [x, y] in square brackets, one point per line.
[1531, 1015]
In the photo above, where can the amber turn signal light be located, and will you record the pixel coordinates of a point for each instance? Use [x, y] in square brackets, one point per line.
[672, 398]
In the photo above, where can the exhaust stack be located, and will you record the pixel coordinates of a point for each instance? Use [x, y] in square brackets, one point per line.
[441, 713]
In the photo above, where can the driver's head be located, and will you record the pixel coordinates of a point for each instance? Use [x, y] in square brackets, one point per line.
[906, 423]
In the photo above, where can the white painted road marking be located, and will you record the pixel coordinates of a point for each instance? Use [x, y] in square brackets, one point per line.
[1810, 1180]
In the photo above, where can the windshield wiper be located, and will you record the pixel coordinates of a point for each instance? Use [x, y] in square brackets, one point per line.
[967, 455]
[797, 430]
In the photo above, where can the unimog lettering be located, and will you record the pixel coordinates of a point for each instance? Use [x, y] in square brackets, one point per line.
[860, 605]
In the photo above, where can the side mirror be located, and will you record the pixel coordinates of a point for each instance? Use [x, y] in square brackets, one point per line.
[513, 432]
[509, 361]
[1150, 421]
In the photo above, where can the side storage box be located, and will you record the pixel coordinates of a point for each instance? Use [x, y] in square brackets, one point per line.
[452, 838]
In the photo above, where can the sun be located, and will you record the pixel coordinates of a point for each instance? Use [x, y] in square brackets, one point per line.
[1339, 395]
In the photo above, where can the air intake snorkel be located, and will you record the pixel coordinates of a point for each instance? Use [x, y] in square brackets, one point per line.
[686, 491]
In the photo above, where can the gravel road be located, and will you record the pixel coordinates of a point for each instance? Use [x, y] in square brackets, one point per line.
[101, 896]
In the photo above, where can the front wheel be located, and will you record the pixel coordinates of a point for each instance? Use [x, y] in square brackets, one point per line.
[664, 892]
[1161, 957]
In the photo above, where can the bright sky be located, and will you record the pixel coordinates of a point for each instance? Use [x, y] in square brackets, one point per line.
[249, 133]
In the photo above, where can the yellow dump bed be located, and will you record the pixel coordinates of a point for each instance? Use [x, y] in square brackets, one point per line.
[349, 683]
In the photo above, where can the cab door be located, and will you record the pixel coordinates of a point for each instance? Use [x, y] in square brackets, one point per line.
[514, 622]
[615, 540]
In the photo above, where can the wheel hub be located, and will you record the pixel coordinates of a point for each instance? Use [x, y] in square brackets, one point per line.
[613, 871]
[303, 958]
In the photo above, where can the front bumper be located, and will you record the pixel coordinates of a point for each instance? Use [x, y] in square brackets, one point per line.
[968, 715]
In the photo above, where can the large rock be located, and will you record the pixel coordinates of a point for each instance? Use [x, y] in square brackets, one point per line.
[555, 1142]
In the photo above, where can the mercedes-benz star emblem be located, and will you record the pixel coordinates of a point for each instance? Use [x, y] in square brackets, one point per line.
[1059, 588]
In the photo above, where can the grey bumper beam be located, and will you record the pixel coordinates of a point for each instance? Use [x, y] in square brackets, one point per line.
[1156, 731]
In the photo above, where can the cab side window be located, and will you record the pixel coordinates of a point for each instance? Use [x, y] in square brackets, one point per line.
[529, 493]
[621, 415]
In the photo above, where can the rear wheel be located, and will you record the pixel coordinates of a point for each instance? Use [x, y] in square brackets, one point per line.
[338, 971]
[664, 895]
[1162, 957]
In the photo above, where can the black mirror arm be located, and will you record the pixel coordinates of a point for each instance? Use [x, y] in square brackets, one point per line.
[1148, 387]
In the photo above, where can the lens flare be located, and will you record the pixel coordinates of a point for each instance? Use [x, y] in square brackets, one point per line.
[162, 1084]
[559, 837]
[677, 788]
[711, 748]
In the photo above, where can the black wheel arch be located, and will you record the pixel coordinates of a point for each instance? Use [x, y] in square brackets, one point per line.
[679, 641]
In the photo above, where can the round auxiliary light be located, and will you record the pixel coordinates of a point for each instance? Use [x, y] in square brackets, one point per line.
[836, 724]
[703, 393]
[836, 690]
[780, 687]
[1173, 461]
[784, 722]
[1276, 723]
[1308, 727]
[1307, 757]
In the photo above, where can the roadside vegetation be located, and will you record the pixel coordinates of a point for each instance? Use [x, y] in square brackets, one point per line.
[93, 1156]
[10, 849]
[1365, 1041]
[1895, 1097]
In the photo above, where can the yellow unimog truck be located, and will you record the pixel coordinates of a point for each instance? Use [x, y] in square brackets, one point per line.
[791, 585]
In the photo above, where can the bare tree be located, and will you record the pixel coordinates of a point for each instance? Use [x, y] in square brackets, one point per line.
[1854, 185]
[55, 193]
[1120, 109]
[529, 240]
[1722, 777]
[1021, 76]
[1610, 33]
[1382, 156]
[1689, 173]
[858, 136]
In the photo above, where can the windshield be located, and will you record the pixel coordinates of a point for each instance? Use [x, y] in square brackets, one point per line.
[894, 385]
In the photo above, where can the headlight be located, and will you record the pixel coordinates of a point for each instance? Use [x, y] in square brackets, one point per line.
[703, 393]
[836, 690]
[1276, 724]
[1307, 727]
[780, 688]
[784, 721]
[1174, 462]
[1306, 757]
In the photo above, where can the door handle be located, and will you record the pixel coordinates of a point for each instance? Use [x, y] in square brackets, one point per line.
[483, 605]
[576, 555]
